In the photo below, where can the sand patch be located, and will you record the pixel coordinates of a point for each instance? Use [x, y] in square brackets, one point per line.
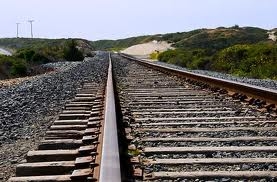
[144, 50]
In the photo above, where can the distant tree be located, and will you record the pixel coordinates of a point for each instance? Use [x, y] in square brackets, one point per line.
[235, 26]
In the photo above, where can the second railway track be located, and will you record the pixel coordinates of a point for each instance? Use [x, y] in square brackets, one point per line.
[178, 131]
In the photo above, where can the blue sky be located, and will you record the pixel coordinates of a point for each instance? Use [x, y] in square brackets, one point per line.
[113, 19]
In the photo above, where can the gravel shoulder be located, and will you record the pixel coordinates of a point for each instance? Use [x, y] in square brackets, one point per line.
[57, 66]
[266, 83]
[28, 107]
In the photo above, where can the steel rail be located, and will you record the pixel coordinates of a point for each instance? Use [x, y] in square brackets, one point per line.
[110, 162]
[265, 94]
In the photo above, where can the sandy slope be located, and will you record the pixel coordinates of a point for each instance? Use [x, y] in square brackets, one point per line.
[272, 36]
[5, 52]
[143, 50]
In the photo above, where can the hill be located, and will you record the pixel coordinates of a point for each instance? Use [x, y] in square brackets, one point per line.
[243, 51]
[246, 51]
[121, 43]
[36, 43]
[30, 54]
[198, 49]
[212, 39]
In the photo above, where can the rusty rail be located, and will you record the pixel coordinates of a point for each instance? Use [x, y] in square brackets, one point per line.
[264, 94]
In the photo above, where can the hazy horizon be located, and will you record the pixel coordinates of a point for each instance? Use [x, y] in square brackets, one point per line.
[117, 19]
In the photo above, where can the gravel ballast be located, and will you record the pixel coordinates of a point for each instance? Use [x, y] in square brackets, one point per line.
[266, 83]
[172, 110]
[28, 108]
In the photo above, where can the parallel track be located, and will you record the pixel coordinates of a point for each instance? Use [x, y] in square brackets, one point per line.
[180, 131]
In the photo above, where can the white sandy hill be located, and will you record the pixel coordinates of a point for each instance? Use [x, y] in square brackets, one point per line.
[5, 52]
[272, 36]
[144, 50]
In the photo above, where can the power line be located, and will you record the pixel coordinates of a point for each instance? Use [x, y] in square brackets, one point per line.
[17, 25]
[31, 23]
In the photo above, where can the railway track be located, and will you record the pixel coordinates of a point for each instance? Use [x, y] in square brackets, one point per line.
[71, 143]
[73, 148]
[174, 129]
[179, 131]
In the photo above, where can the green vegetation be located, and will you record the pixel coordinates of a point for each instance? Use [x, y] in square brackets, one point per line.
[220, 38]
[40, 55]
[31, 56]
[71, 53]
[154, 55]
[133, 153]
[213, 39]
[239, 51]
[12, 67]
[115, 45]
[192, 59]
[53, 49]
[242, 51]
[251, 60]
[26, 60]
[257, 60]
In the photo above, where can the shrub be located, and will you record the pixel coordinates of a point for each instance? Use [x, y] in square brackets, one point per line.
[32, 56]
[26, 54]
[154, 55]
[257, 60]
[12, 67]
[39, 59]
[19, 68]
[71, 53]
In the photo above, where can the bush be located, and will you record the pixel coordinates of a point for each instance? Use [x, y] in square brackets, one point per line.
[257, 60]
[32, 56]
[12, 67]
[39, 59]
[19, 68]
[253, 60]
[26, 54]
[193, 59]
[154, 55]
[71, 53]
[228, 59]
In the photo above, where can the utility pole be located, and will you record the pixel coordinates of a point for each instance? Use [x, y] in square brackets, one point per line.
[17, 25]
[31, 23]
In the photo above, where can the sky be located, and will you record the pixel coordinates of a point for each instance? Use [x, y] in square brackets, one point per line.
[115, 19]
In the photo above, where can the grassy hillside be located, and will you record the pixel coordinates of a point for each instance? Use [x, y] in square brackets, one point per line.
[217, 49]
[215, 39]
[243, 51]
[212, 39]
[122, 43]
[30, 53]
[35, 43]
[18, 43]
